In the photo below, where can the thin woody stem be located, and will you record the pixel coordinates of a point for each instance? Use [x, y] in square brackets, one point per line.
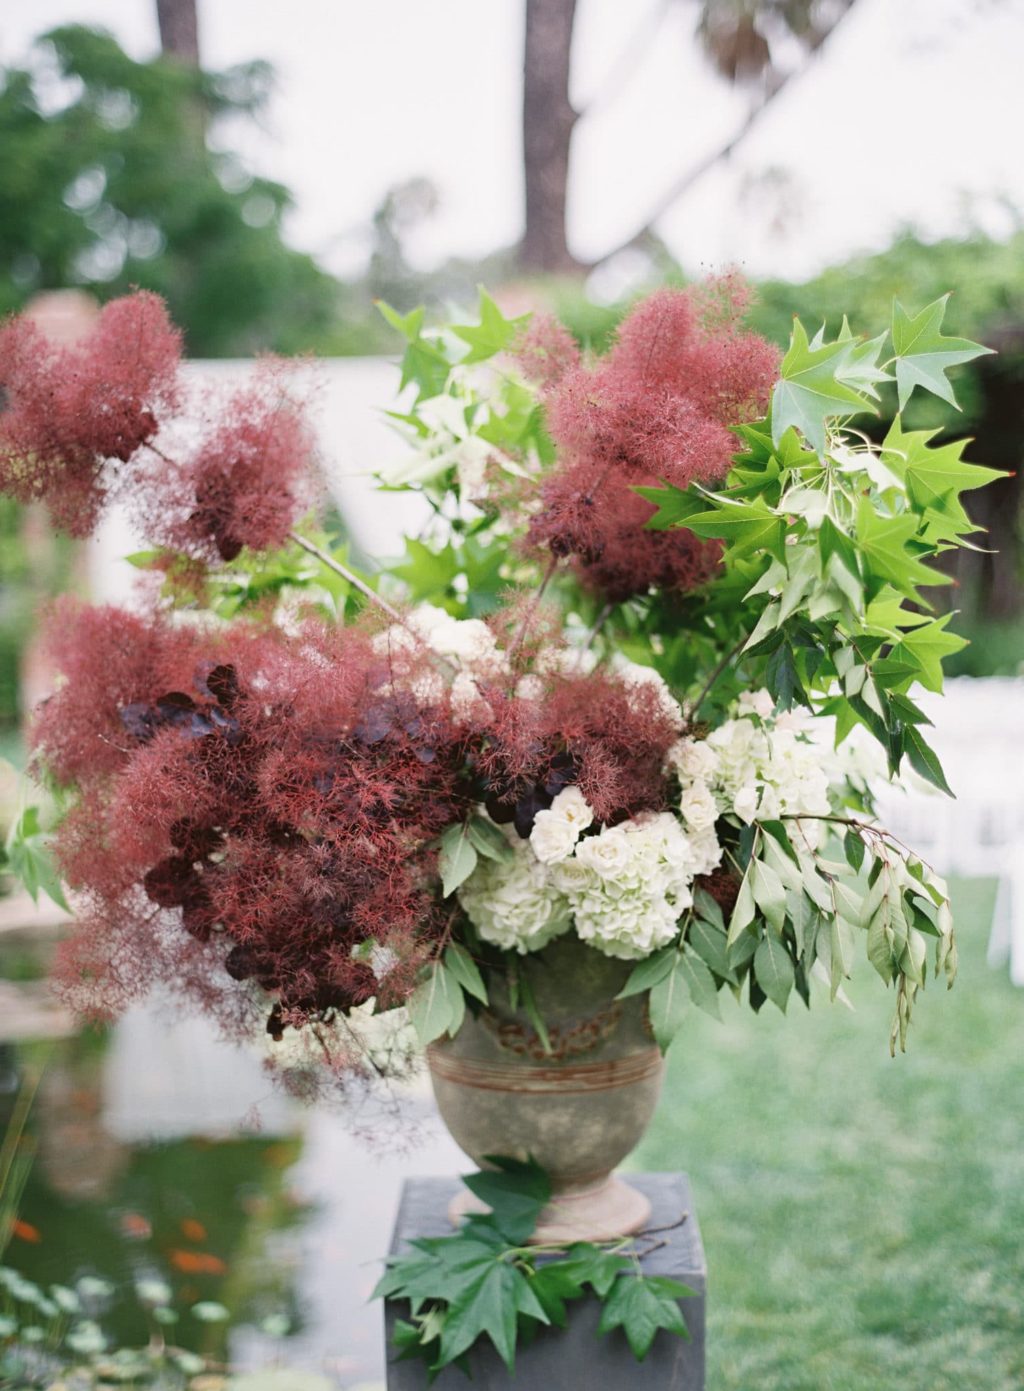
[347, 574]
[599, 623]
[372, 595]
[528, 616]
[706, 688]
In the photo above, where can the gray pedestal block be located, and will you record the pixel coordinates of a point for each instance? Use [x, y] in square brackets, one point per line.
[577, 1356]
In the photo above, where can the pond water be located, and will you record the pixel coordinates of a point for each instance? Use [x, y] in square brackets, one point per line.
[162, 1151]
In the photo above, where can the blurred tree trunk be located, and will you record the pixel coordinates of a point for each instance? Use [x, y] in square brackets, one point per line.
[548, 121]
[733, 35]
[179, 30]
[991, 578]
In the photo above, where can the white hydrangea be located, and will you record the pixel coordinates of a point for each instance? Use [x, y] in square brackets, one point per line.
[706, 851]
[637, 884]
[566, 661]
[467, 704]
[758, 765]
[515, 904]
[692, 759]
[556, 831]
[758, 703]
[467, 643]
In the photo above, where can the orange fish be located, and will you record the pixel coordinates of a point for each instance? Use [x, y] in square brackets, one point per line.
[25, 1231]
[134, 1225]
[197, 1263]
[195, 1231]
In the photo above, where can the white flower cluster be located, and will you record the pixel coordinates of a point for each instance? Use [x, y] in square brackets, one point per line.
[556, 831]
[625, 887]
[467, 643]
[758, 765]
[628, 885]
[515, 904]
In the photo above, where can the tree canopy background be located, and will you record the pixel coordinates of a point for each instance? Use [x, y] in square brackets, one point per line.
[109, 182]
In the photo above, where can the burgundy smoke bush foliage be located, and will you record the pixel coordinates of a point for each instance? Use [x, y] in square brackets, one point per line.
[258, 810]
[657, 407]
[269, 813]
[621, 425]
[545, 351]
[109, 660]
[607, 735]
[246, 483]
[73, 423]
[73, 418]
[632, 560]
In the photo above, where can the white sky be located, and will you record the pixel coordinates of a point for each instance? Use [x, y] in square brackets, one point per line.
[913, 115]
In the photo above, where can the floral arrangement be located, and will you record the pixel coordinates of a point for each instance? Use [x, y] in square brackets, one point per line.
[625, 684]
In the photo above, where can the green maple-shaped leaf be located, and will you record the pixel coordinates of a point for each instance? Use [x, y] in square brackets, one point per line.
[515, 1191]
[28, 858]
[640, 1305]
[813, 388]
[492, 334]
[924, 354]
[883, 543]
[934, 475]
[744, 526]
[861, 367]
[425, 365]
[491, 1305]
[674, 505]
[590, 1265]
[553, 1284]
[925, 647]
[426, 572]
[408, 325]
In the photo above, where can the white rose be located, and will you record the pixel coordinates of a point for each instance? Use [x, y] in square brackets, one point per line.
[744, 804]
[608, 854]
[394, 641]
[427, 688]
[573, 807]
[467, 641]
[427, 619]
[705, 851]
[553, 838]
[637, 676]
[698, 806]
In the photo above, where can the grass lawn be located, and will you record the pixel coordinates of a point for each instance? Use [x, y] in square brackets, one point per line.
[863, 1217]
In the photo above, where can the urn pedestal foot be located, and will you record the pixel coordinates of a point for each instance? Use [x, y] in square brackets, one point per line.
[599, 1211]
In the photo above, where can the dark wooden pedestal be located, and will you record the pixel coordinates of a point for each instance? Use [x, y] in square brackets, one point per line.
[563, 1359]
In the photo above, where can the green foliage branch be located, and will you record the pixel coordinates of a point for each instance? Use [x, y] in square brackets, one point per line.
[488, 1280]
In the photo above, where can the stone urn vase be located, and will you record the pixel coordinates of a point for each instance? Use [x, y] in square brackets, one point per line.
[577, 1109]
